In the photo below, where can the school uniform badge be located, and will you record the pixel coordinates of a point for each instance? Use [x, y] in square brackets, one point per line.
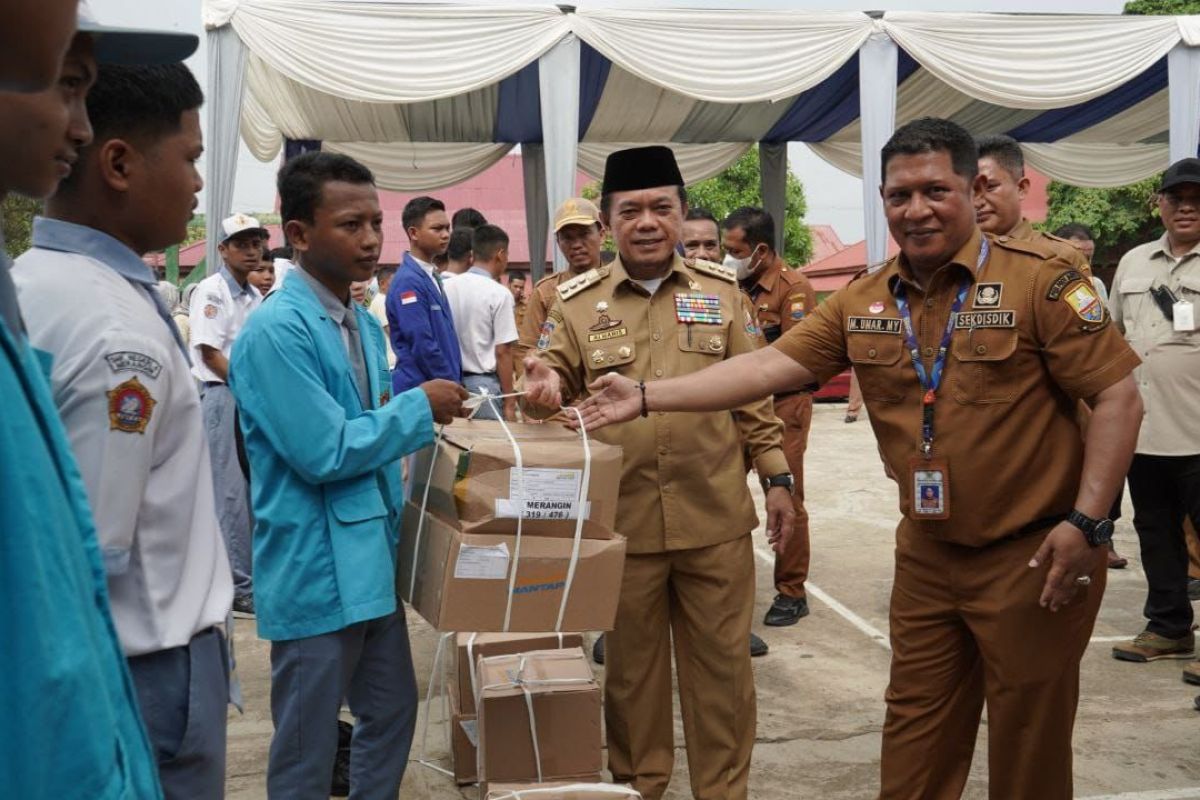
[129, 407]
[210, 311]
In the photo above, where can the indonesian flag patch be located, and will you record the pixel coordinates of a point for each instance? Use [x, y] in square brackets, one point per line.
[407, 297]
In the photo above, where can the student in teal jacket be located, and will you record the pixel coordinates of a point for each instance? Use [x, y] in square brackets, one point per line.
[324, 438]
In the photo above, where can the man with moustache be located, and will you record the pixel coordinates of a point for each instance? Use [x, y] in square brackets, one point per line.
[998, 579]
[701, 236]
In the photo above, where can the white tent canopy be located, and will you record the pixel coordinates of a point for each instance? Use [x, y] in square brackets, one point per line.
[428, 95]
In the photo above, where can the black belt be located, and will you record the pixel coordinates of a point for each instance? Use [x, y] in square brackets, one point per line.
[481, 374]
[210, 384]
[1036, 526]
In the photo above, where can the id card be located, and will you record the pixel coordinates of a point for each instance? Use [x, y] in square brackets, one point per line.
[1184, 316]
[930, 488]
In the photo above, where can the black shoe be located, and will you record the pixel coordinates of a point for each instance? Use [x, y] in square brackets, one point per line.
[243, 607]
[598, 650]
[1196, 702]
[786, 611]
[757, 646]
[1193, 589]
[339, 786]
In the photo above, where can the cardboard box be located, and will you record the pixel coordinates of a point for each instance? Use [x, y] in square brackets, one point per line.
[560, 790]
[475, 484]
[565, 718]
[473, 646]
[460, 582]
[464, 739]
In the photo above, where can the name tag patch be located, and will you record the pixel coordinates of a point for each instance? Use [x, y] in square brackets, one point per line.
[130, 361]
[873, 325]
[609, 334]
[985, 319]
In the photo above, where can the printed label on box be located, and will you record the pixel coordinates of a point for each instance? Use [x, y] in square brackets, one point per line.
[482, 563]
[471, 728]
[548, 493]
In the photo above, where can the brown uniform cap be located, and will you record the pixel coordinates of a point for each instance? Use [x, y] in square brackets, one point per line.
[1032, 339]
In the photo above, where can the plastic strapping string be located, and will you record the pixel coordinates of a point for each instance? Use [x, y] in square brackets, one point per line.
[519, 794]
[437, 678]
[519, 681]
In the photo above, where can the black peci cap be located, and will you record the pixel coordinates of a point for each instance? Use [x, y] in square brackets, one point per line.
[1185, 170]
[641, 168]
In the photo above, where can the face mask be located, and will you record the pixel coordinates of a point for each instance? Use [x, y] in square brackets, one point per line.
[741, 265]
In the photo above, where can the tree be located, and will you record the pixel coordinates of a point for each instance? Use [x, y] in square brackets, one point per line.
[739, 186]
[1124, 216]
[18, 222]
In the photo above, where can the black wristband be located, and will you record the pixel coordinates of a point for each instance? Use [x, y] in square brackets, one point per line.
[645, 408]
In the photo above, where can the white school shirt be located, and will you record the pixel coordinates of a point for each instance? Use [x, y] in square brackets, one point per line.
[483, 318]
[217, 313]
[132, 413]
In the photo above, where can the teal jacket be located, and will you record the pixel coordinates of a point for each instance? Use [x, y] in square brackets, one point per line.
[66, 699]
[324, 471]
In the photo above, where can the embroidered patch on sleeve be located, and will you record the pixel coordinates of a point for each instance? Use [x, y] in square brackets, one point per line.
[129, 407]
[132, 361]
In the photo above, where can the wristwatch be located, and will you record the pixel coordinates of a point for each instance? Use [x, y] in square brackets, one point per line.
[783, 479]
[1097, 531]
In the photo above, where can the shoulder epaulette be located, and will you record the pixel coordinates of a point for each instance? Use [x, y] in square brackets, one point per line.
[715, 270]
[1042, 250]
[569, 289]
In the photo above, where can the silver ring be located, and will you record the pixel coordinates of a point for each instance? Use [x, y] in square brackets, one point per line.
[1084, 580]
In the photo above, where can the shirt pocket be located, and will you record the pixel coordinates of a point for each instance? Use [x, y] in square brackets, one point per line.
[1136, 302]
[985, 371]
[875, 358]
[611, 355]
[709, 342]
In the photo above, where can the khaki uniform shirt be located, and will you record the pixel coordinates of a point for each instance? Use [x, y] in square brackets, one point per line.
[1031, 340]
[781, 298]
[541, 300]
[682, 482]
[519, 312]
[1025, 232]
[1169, 377]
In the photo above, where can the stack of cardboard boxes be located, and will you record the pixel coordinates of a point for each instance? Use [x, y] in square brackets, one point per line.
[525, 705]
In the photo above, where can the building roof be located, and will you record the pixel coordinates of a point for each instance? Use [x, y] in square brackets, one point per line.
[825, 241]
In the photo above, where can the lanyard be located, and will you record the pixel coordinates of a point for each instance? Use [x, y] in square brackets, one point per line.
[931, 381]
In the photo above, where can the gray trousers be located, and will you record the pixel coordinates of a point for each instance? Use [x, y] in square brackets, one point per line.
[491, 382]
[370, 665]
[183, 694]
[229, 485]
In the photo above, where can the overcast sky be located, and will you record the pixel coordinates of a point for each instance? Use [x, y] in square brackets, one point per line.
[837, 202]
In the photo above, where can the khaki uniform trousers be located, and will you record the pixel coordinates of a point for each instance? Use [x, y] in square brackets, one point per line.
[966, 628]
[703, 599]
[791, 566]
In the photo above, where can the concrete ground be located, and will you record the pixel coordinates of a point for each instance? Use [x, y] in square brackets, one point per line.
[820, 690]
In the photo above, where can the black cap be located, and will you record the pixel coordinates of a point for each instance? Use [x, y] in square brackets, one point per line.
[641, 168]
[1185, 170]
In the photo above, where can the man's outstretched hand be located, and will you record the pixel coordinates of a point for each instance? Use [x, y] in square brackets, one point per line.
[614, 399]
[445, 400]
[542, 385]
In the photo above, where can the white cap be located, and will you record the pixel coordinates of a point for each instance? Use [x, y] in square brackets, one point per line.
[116, 45]
[240, 223]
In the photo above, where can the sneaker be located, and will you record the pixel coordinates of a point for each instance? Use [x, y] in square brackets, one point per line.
[598, 650]
[786, 611]
[757, 646]
[1191, 673]
[1149, 646]
[1193, 589]
[850, 418]
[243, 607]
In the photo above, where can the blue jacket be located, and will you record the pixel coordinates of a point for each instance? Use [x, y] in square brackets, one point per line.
[325, 473]
[68, 704]
[421, 328]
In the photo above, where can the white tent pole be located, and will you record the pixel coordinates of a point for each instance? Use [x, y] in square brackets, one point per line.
[537, 217]
[558, 79]
[877, 62]
[772, 174]
[1183, 76]
[226, 78]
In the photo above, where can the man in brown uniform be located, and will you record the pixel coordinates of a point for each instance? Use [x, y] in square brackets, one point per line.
[684, 504]
[579, 236]
[781, 297]
[998, 577]
[998, 205]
